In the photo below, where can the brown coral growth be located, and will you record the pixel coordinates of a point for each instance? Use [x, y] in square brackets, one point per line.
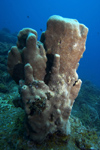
[48, 81]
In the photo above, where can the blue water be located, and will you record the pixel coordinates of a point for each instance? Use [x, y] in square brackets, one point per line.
[17, 14]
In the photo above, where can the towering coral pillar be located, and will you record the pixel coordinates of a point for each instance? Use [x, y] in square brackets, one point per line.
[46, 74]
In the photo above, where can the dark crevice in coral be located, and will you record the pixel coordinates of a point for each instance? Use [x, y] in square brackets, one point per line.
[22, 42]
[42, 38]
[49, 64]
[58, 121]
[18, 72]
[51, 117]
[75, 83]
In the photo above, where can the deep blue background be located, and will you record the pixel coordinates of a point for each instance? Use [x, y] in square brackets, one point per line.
[13, 15]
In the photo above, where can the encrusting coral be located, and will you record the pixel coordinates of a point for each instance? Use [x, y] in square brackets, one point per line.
[46, 74]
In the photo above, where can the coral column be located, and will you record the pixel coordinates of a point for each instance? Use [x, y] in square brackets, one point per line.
[46, 73]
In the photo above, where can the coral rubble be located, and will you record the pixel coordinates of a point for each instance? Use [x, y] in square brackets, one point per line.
[46, 74]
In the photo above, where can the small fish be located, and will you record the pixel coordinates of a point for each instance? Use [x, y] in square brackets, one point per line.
[41, 30]
[28, 17]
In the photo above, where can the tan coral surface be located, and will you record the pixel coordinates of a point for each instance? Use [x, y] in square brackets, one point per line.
[48, 84]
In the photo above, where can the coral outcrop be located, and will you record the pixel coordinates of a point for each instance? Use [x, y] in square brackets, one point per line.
[46, 74]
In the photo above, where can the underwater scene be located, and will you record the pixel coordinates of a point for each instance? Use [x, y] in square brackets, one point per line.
[50, 75]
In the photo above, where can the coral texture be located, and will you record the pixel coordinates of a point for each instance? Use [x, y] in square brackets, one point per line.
[46, 74]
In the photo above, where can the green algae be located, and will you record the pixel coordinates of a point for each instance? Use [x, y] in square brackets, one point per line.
[13, 134]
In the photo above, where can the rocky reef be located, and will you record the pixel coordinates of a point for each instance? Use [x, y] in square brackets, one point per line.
[46, 73]
[7, 36]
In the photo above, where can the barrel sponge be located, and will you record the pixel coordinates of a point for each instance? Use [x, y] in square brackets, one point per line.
[49, 83]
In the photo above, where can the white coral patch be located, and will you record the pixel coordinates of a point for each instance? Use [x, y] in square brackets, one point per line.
[75, 45]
